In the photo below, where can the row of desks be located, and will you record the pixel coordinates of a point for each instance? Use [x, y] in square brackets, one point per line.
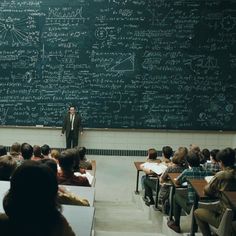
[198, 186]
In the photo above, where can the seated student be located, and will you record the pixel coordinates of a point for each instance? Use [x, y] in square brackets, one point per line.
[225, 180]
[15, 151]
[150, 184]
[37, 156]
[205, 156]
[66, 176]
[45, 149]
[3, 150]
[31, 206]
[84, 163]
[194, 148]
[80, 161]
[178, 165]
[151, 157]
[167, 153]
[212, 165]
[7, 166]
[65, 196]
[180, 202]
[55, 155]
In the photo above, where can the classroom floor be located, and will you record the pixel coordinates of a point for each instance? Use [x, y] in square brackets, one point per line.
[118, 211]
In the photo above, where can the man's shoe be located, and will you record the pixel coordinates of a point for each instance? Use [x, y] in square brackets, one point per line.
[149, 203]
[145, 199]
[171, 224]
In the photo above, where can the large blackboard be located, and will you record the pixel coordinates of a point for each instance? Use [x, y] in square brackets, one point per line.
[125, 63]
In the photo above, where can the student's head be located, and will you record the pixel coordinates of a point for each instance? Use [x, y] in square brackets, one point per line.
[194, 148]
[3, 150]
[45, 149]
[37, 151]
[152, 154]
[205, 155]
[193, 159]
[55, 154]
[7, 166]
[15, 148]
[32, 197]
[226, 157]
[66, 160]
[82, 152]
[26, 151]
[51, 164]
[214, 153]
[167, 152]
[182, 151]
[179, 158]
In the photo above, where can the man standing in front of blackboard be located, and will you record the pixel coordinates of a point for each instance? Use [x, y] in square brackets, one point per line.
[71, 127]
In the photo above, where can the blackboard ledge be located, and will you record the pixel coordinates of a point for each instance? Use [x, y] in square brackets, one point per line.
[121, 129]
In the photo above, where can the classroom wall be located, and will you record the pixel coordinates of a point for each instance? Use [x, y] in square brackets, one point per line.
[119, 139]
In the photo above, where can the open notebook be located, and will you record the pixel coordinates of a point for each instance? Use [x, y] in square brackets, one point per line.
[157, 168]
[87, 175]
[208, 178]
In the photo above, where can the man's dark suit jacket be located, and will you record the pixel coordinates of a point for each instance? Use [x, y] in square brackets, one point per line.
[66, 127]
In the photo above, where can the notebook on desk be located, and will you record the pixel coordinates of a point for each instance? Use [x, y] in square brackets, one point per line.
[209, 178]
[87, 175]
[155, 167]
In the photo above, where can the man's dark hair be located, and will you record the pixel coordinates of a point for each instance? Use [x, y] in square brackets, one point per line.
[214, 153]
[3, 150]
[205, 155]
[66, 159]
[152, 154]
[227, 157]
[193, 159]
[51, 164]
[82, 152]
[37, 151]
[45, 149]
[167, 152]
[26, 151]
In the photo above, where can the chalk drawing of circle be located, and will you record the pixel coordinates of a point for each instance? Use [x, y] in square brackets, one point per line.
[221, 97]
[9, 24]
[229, 108]
[202, 116]
[101, 33]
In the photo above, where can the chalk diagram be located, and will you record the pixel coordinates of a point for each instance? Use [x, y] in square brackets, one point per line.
[228, 23]
[11, 29]
[123, 65]
[101, 33]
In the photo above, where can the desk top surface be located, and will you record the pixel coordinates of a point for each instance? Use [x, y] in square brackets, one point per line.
[198, 186]
[231, 195]
[173, 177]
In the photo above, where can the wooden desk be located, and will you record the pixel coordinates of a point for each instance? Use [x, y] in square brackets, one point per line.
[83, 192]
[173, 177]
[198, 186]
[137, 165]
[80, 219]
[231, 195]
